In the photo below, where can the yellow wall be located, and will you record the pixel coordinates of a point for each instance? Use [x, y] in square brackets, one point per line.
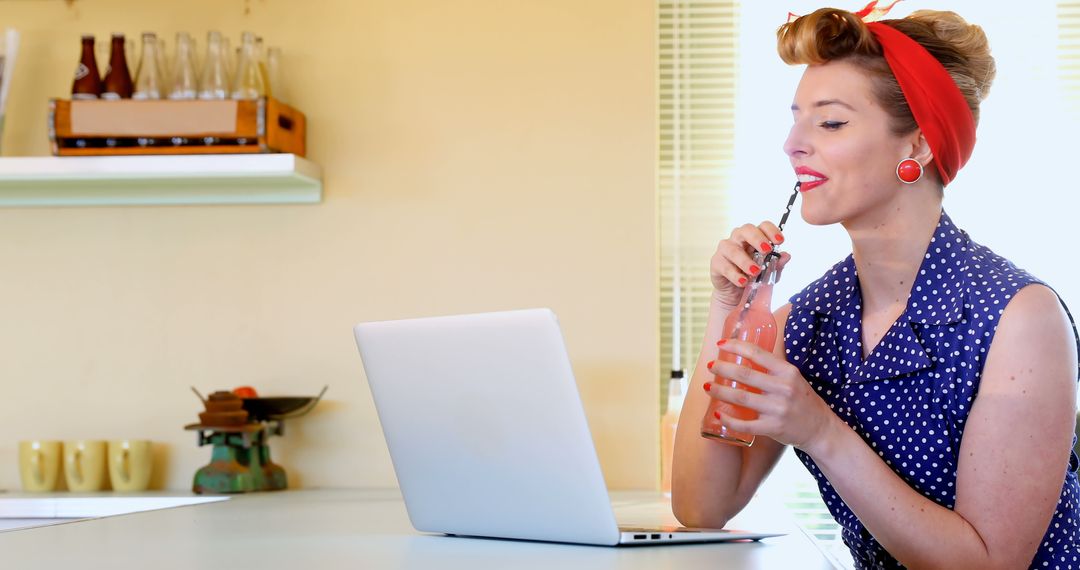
[478, 155]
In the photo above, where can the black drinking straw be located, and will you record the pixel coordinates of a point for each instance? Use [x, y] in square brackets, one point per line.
[772, 255]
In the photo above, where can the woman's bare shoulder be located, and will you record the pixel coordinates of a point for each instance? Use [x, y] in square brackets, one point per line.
[1033, 307]
[1033, 332]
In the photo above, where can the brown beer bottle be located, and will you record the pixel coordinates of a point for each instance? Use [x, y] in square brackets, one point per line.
[87, 84]
[118, 83]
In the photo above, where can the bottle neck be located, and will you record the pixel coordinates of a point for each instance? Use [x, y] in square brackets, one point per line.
[757, 295]
[117, 53]
[769, 273]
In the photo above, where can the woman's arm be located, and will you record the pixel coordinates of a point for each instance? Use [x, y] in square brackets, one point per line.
[1012, 458]
[1013, 454]
[713, 481]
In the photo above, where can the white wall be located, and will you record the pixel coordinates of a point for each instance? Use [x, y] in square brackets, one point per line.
[478, 155]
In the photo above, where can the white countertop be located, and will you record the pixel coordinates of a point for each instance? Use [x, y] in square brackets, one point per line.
[362, 529]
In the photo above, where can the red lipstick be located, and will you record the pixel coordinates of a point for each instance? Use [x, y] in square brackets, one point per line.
[809, 178]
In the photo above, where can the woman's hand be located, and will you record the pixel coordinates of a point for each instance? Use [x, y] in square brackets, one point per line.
[788, 409]
[732, 266]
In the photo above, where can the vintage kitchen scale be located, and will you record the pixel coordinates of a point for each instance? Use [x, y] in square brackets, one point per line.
[239, 428]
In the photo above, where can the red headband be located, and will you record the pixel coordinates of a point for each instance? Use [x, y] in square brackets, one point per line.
[939, 108]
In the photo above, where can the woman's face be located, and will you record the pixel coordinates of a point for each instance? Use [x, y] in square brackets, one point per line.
[841, 147]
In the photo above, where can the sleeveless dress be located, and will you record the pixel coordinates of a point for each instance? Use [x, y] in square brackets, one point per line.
[910, 398]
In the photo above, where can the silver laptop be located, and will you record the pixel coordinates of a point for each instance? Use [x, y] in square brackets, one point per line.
[487, 433]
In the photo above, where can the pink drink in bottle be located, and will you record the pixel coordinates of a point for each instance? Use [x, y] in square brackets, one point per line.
[751, 321]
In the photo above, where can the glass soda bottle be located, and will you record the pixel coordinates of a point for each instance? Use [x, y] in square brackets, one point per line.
[751, 321]
[148, 79]
[118, 84]
[184, 83]
[87, 83]
[164, 66]
[214, 83]
[231, 57]
[273, 74]
[263, 65]
[669, 424]
[249, 82]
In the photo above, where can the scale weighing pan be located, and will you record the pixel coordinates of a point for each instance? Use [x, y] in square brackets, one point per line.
[280, 407]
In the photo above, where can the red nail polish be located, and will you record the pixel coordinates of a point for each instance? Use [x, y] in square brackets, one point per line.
[709, 365]
[765, 247]
[778, 238]
[742, 281]
[708, 386]
[717, 415]
[754, 270]
[721, 342]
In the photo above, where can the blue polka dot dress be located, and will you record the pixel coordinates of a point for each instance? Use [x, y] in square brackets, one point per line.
[910, 398]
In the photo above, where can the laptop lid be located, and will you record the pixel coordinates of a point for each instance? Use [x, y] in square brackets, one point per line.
[485, 427]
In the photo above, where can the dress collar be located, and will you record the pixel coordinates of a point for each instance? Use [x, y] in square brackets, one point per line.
[937, 296]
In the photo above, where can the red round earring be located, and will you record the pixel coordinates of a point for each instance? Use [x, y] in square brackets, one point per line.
[909, 171]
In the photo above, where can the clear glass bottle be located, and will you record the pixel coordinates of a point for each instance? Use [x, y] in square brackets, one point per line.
[214, 83]
[273, 74]
[249, 80]
[184, 84]
[164, 67]
[230, 57]
[669, 424]
[101, 51]
[751, 321]
[148, 77]
[263, 66]
[132, 50]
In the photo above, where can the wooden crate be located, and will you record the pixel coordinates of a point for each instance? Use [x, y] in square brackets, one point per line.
[97, 128]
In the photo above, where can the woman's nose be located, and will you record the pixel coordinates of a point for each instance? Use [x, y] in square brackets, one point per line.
[796, 144]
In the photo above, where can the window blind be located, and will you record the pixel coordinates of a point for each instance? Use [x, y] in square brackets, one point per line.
[1068, 17]
[697, 72]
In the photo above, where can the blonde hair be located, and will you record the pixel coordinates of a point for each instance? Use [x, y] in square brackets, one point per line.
[830, 34]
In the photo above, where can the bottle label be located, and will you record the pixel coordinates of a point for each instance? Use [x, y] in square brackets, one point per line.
[81, 71]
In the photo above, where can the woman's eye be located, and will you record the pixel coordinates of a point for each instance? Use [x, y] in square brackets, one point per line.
[832, 125]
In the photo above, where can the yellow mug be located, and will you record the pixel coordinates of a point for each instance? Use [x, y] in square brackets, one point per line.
[39, 465]
[130, 461]
[84, 465]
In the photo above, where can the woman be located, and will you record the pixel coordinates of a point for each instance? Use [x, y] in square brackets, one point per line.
[928, 384]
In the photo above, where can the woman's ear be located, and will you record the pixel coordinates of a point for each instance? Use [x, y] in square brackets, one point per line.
[920, 150]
